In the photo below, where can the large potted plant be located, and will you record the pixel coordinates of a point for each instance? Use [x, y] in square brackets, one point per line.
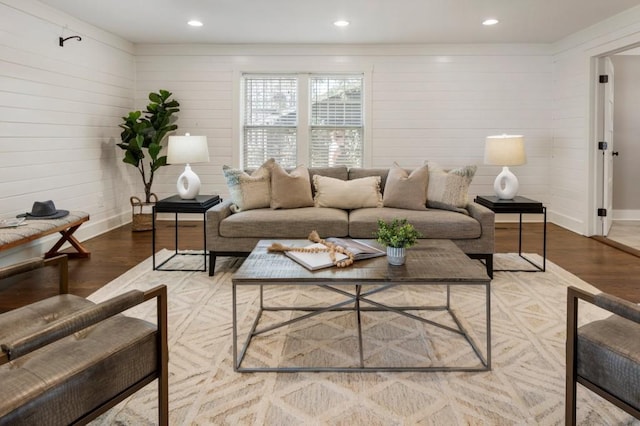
[142, 136]
[396, 236]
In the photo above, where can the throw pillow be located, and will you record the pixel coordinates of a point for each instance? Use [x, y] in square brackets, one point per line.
[290, 190]
[347, 194]
[406, 191]
[249, 191]
[448, 189]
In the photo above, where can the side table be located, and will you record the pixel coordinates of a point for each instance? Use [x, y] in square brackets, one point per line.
[175, 204]
[520, 205]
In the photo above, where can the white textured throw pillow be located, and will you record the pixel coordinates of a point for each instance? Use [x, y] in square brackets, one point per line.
[347, 194]
[448, 189]
[249, 191]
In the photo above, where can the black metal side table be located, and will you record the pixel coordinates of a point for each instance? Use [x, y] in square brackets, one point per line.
[520, 205]
[176, 205]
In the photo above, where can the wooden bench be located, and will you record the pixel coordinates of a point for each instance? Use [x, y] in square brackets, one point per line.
[32, 230]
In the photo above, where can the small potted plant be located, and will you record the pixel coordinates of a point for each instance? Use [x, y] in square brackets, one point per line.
[396, 236]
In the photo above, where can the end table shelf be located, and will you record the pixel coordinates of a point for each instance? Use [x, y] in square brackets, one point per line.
[519, 205]
[176, 205]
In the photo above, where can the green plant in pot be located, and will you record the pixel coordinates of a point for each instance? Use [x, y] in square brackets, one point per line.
[396, 236]
[142, 136]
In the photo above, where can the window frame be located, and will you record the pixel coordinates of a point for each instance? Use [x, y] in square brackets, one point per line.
[304, 111]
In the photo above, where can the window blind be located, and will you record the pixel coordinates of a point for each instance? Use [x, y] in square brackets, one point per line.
[336, 121]
[270, 120]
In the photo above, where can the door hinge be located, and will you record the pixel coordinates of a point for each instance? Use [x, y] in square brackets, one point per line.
[602, 146]
[602, 212]
[604, 78]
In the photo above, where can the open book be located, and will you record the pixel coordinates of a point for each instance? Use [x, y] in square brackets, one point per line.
[320, 260]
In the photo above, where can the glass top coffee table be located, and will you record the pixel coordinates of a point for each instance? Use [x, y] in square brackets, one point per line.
[370, 316]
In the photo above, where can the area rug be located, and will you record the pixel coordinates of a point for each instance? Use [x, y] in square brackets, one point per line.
[524, 387]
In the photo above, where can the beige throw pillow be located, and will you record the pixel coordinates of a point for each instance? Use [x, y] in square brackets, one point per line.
[448, 189]
[347, 194]
[406, 191]
[249, 191]
[290, 190]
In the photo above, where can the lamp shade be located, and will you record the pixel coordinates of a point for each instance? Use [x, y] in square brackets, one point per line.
[504, 150]
[187, 149]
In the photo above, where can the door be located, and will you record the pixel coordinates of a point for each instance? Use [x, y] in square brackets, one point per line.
[606, 135]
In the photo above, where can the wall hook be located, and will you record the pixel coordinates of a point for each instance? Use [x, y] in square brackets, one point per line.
[62, 40]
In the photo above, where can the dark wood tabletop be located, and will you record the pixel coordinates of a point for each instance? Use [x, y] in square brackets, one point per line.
[429, 262]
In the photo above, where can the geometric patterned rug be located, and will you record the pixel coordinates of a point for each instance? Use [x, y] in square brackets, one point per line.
[524, 387]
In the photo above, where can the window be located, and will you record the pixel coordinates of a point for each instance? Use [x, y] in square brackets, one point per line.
[326, 131]
[270, 120]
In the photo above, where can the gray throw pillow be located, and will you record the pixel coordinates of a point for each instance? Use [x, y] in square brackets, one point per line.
[406, 191]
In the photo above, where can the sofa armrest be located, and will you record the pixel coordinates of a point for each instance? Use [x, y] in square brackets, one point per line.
[80, 320]
[485, 216]
[618, 306]
[215, 215]
[37, 263]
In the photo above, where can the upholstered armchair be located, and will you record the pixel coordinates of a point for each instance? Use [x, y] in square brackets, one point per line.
[66, 360]
[603, 355]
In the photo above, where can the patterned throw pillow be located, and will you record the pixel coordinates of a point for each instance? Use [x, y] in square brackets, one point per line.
[347, 194]
[249, 191]
[448, 189]
[406, 191]
[290, 190]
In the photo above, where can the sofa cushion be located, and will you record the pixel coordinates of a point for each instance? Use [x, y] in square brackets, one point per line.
[448, 189]
[62, 386]
[359, 172]
[404, 190]
[347, 194]
[290, 223]
[609, 355]
[432, 223]
[290, 190]
[249, 191]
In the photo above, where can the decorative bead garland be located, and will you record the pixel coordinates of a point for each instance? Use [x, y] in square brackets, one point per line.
[331, 248]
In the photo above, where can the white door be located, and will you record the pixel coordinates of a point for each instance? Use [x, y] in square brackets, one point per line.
[607, 156]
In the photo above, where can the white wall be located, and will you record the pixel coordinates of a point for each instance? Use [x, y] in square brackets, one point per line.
[59, 114]
[424, 102]
[572, 189]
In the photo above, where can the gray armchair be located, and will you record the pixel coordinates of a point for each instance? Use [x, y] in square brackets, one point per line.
[603, 355]
[66, 360]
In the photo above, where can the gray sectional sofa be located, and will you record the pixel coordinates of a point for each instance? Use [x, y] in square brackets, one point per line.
[236, 234]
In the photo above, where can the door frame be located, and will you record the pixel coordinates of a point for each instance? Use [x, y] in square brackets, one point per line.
[594, 192]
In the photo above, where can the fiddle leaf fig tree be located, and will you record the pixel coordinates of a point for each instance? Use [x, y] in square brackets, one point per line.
[142, 136]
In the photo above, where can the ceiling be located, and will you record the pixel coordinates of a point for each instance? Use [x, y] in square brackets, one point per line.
[372, 21]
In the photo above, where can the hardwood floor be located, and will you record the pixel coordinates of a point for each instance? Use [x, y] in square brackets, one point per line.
[113, 253]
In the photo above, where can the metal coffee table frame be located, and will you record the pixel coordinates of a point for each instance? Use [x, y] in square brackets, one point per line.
[360, 296]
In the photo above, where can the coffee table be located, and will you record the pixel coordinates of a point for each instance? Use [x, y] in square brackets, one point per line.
[436, 264]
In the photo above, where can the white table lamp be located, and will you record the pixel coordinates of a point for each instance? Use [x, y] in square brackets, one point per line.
[505, 150]
[185, 150]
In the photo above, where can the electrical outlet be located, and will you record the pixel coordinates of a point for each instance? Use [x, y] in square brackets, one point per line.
[100, 200]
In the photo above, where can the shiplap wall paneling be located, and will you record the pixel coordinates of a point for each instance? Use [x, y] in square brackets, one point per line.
[422, 106]
[441, 108]
[59, 113]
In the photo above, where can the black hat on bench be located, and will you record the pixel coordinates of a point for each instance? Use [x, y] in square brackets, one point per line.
[44, 210]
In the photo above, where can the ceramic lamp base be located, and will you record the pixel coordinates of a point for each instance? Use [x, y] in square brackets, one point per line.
[506, 184]
[188, 184]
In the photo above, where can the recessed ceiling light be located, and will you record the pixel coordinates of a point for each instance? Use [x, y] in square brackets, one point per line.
[341, 23]
[490, 21]
[194, 23]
